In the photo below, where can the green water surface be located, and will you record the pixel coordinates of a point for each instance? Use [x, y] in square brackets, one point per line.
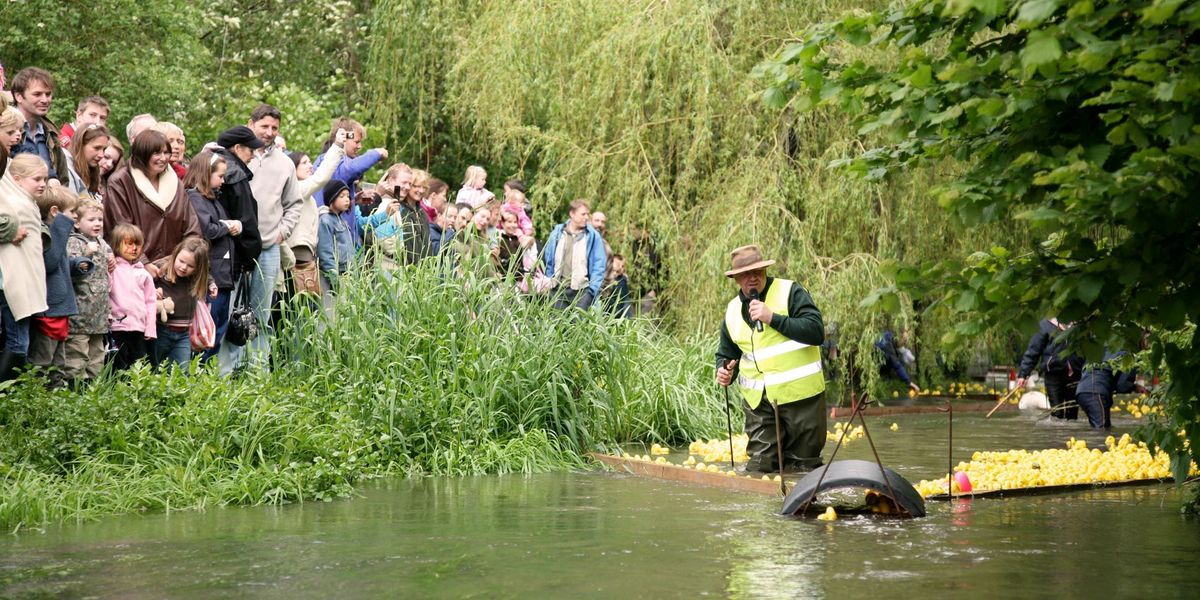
[601, 535]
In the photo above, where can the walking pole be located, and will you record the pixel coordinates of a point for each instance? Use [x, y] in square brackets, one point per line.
[1000, 402]
[729, 421]
[778, 439]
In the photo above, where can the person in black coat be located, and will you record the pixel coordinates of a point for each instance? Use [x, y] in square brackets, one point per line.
[1059, 371]
[237, 145]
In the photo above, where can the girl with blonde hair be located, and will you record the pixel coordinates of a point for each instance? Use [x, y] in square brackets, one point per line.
[474, 192]
[22, 270]
[12, 127]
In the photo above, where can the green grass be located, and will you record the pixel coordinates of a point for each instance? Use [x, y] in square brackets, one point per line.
[413, 377]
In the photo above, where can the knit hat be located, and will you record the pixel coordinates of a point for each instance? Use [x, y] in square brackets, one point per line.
[330, 192]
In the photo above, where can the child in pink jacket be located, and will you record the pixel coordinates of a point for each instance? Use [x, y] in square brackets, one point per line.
[132, 297]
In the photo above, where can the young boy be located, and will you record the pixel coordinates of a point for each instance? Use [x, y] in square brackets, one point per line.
[335, 246]
[88, 329]
[47, 339]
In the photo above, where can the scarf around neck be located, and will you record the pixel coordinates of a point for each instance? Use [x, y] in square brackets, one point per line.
[168, 184]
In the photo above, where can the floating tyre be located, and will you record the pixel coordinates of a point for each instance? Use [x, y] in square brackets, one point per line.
[856, 474]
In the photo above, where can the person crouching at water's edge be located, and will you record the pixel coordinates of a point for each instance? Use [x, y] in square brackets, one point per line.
[779, 361]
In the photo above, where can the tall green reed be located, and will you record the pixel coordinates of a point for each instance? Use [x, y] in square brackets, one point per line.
[413, 375]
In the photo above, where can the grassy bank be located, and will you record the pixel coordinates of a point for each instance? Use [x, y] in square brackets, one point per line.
[413, 377]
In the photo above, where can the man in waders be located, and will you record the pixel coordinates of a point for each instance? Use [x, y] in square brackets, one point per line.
[771, 342]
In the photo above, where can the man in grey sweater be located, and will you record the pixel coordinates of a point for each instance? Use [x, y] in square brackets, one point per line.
[278, 196]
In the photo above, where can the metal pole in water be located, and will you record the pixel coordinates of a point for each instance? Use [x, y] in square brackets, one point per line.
[950, 450]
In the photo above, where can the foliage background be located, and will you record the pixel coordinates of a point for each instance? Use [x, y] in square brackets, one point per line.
[650, 109]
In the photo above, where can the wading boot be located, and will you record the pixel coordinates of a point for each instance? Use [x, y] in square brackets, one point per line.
[10, 364]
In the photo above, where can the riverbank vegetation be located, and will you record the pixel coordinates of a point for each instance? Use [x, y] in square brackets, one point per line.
[1079, 119]
[650, 110]
[413, 377]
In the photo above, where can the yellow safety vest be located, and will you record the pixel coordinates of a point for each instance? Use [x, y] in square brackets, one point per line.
[787, 369]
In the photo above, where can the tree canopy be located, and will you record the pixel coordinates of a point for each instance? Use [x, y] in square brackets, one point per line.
[1077, 118]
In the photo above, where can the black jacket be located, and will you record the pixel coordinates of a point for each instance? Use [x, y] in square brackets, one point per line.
[221, 248]
[239, 204]
[1046, 354]
[414, 227]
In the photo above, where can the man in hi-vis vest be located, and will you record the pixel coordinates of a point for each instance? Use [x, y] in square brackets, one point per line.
[771, 348]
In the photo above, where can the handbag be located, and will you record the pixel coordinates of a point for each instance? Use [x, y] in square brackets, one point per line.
[243, 326]
[203, 331]
[306, 279]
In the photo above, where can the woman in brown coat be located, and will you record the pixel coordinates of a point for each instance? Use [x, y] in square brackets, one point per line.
[148, 194]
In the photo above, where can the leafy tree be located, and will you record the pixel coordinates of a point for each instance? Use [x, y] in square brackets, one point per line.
[142, 57]
[1079, 118]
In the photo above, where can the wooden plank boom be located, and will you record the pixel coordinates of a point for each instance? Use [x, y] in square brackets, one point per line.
[672, 472]
[1052, 489]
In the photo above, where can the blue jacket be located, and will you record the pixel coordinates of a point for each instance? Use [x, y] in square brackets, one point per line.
[887, 345]
[1102, 380]
[349, 171]
[597, 261]
[335, 248]
[60, 269]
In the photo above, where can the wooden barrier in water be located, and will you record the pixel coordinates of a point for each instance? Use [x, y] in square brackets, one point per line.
[671, 472]
[842, 412]
[1051, 489]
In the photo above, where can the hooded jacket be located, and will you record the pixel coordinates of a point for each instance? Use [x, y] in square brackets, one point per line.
[335, 247]
[238, 200]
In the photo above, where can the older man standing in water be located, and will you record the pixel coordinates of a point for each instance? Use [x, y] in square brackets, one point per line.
[771, 342]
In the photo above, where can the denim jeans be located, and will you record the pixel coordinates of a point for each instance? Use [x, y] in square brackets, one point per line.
[16, 333]
[173, 346]
[219, 308]
[568, 297]
[257, 352]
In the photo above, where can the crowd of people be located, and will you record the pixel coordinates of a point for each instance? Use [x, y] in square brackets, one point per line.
[114, 251]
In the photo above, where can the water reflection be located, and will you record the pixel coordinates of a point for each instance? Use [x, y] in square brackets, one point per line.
[596, 535]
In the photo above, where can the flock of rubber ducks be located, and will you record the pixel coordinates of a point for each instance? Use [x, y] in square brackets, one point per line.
[1122, 460]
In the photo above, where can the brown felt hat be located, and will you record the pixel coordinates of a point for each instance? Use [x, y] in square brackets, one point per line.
[747, 258]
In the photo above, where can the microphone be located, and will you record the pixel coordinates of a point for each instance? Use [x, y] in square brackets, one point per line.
[758, 326]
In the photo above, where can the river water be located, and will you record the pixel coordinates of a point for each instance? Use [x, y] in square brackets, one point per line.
[602, 535]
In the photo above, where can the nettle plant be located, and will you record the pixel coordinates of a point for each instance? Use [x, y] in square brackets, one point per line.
[1077, 118]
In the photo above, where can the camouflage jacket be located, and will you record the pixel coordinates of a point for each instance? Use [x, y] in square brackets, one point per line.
[91, 290]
